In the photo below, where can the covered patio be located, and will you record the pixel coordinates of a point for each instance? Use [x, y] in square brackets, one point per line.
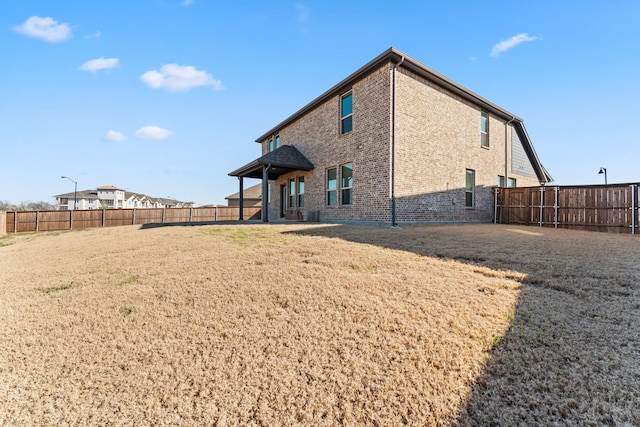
[269, 167]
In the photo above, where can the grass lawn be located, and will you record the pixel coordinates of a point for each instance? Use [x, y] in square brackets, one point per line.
[317, 324]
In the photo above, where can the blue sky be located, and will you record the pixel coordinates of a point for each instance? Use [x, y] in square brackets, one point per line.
[165, 97]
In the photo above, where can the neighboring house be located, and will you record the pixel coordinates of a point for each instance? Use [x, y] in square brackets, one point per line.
[394, 142]
[110, 197]
[252, 197]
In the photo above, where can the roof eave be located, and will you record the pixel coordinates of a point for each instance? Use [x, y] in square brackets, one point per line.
[394, 55]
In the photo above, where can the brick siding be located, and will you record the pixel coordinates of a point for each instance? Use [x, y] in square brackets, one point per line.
[438, 138]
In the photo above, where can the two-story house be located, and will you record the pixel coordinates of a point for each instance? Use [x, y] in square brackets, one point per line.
[393, 142]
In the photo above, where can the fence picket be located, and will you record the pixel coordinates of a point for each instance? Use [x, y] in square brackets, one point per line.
[609, 208]
[76, 219]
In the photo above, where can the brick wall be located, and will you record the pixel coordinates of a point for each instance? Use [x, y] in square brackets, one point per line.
[438, 139]
[317, 136]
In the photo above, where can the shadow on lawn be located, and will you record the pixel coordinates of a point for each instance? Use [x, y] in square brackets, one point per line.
[570, 356]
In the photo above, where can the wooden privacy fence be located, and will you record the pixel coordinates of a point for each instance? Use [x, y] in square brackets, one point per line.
[609, 208]
[69, 220]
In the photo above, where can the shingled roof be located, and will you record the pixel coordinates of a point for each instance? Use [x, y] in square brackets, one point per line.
[281, 160]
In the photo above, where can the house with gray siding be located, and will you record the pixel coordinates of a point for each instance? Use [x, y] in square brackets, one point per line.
[394, 142]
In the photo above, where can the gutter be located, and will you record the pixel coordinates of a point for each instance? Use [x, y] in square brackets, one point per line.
[393, 144]
[506, 151]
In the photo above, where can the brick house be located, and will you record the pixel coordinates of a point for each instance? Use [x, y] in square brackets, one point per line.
[393, 142]
[252, 197]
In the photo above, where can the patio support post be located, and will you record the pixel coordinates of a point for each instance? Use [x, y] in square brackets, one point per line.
[241, 218]
[265, 193]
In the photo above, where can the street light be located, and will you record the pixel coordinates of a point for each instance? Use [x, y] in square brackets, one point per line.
[75, 192]
[603, 171]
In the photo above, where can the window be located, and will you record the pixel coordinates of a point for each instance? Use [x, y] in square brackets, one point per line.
[109, 202]
[277, 141]
[331, 186]
[346, 174]
[292, 193]
[301, 191]
[469, 188]
[484, 130]
[511, 182]
[346, 113]
[64, 200]
[270, 145]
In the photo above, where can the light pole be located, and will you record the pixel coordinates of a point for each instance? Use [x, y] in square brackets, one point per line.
[75, 192]
[603, 171]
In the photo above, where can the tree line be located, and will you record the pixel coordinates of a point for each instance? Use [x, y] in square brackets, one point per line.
[26, 206]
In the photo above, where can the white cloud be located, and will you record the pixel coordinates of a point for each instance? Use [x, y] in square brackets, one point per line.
[95, 35]
[114, 136]
[505, 45]
[187, 2]
[302, 12]
[179, 78]
[46, 29]
[153, 132]
[94, 65]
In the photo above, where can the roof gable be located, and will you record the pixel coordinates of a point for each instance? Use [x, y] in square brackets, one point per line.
[281, 160]
[392, 55]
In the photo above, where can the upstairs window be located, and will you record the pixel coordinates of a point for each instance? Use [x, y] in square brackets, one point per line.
[346, 113]
[469, 188]
[484, 130]
[270, 145]
[511, 182]
[331, 186]
[277, 141]
[346, 175]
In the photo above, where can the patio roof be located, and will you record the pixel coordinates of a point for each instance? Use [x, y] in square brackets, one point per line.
[280, 161]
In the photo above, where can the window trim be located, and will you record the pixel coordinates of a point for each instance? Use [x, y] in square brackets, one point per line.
[470, 191]
[291, 196]
[484, 130]
[343, 188]
[329, 190]
[300, 192]
[345, 117]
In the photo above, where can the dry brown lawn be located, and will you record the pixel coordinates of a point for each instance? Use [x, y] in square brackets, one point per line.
[298, 324]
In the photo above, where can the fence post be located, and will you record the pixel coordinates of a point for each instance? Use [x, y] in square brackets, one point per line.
[215, 214]
[541, 204]
[133, 217]
[495, 205]
[15, 222]
[555, 208]
[163, 214]
[37, 221]
[634, 190]
[190, 215]
[70, 219]
[103, 214]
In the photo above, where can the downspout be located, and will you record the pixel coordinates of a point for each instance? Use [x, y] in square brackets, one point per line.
[393, 145]
[506, 152]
